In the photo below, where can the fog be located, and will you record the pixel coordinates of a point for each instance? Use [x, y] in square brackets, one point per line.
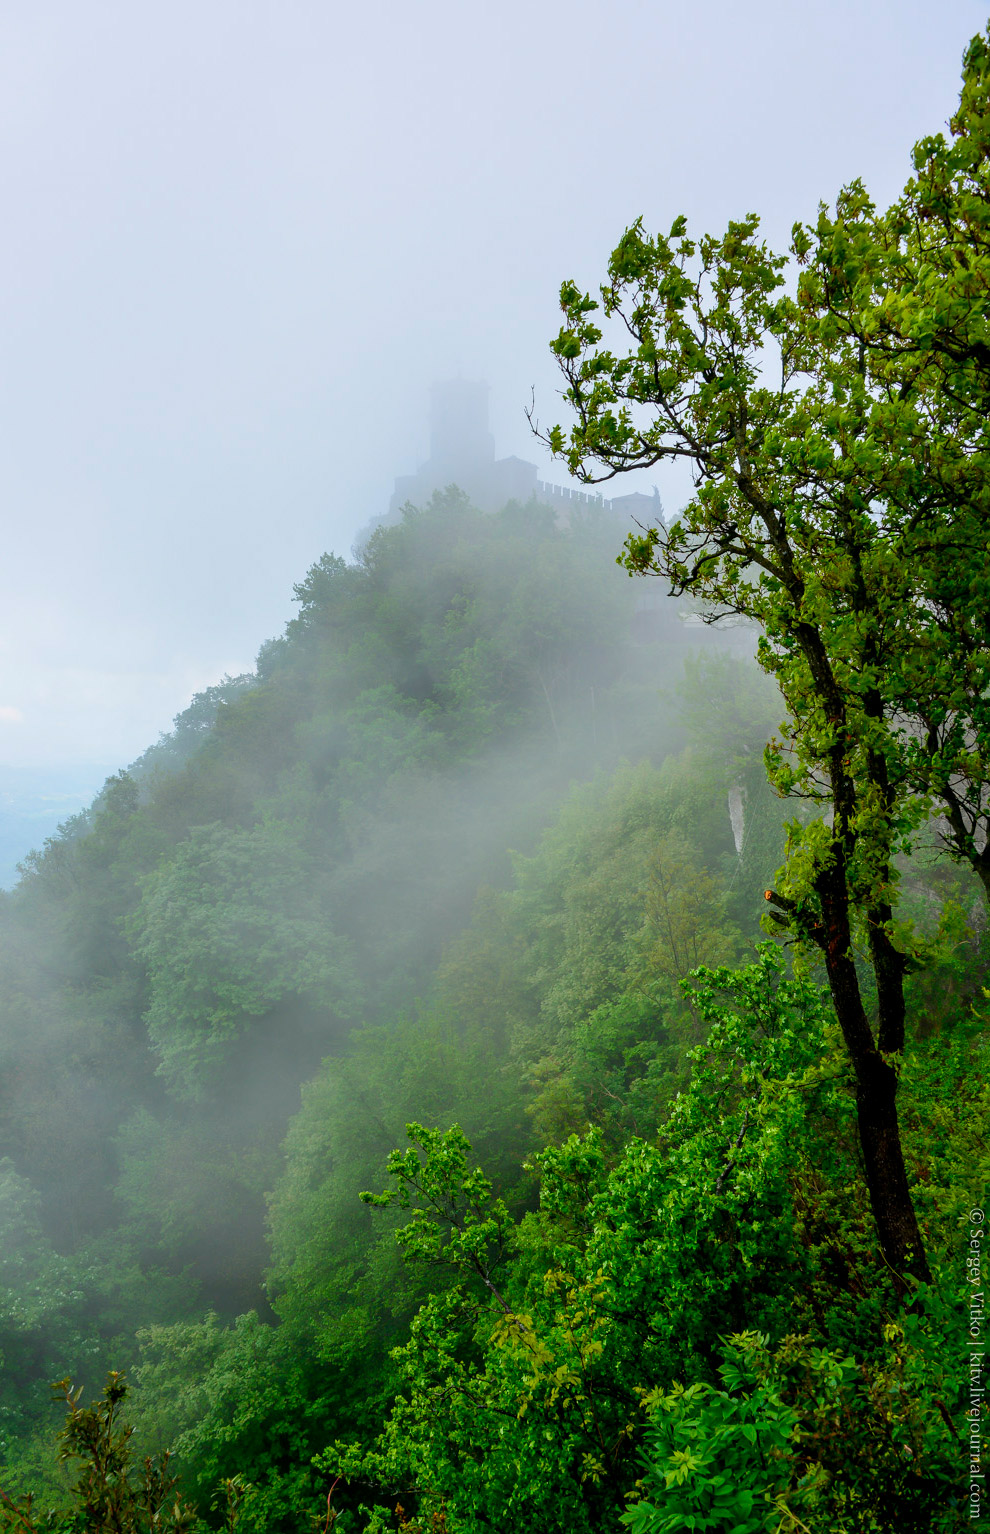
[432, 817]
[243, 239]
[303, 853]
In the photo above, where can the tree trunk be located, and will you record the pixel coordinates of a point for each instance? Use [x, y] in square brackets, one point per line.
[876, 1088]
[886, 1174]
[888, 967]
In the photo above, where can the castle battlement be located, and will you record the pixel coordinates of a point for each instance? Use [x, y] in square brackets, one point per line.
[462, 453]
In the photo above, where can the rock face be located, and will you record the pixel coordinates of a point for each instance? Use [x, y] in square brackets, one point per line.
[737, 817]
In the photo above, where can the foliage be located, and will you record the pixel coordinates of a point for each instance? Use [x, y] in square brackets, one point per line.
[906, 288]
[802, 1438]
[525, 1370]
[839, 451]
[42, 1305]
[111, 1492]
[584, 929]
[226, 929]
[236, 1404]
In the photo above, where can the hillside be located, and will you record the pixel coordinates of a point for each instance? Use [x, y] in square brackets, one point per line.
[448, 859]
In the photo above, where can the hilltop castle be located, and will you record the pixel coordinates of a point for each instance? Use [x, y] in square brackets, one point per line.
[462, 453]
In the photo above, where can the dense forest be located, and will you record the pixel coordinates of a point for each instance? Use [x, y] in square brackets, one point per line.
[449, 1080]
[473, 718]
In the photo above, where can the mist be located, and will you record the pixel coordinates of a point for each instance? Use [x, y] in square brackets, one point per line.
[244, 240]
[353, 796]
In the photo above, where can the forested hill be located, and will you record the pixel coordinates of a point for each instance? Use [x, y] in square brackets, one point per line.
[291, 859]
[447, 859]
[288, 864]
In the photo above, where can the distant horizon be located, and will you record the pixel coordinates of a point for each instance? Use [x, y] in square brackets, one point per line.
[35, 800]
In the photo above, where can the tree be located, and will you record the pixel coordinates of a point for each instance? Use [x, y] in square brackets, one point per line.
[908, 287]
[112, 1493]
[549, 1351]
[840, 504]
[229, 928]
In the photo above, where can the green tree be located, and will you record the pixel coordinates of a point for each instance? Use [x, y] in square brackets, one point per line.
[227, 929]
[805, 1438]
[829, 479]
[42, 1308]
[907, 287]
[242, 1411]
[685, 913]
[112, 1494]
[550, 1344]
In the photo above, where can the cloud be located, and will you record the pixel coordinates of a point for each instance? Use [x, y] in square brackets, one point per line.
[11, 716]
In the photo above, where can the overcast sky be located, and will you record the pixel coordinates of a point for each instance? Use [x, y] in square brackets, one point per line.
[242, 238]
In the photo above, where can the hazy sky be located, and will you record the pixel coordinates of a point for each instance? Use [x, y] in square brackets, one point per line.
[241, 239]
